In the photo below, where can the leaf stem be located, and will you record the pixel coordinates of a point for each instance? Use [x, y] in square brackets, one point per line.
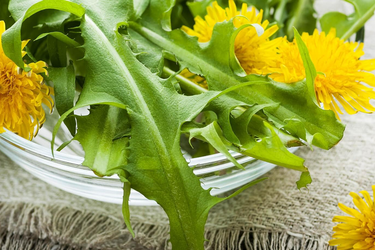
[358, 24]
[186, 84]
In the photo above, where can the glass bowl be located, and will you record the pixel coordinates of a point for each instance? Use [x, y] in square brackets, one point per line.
[66, 172]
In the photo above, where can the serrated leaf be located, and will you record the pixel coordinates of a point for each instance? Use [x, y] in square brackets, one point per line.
[223, 108]
[11, 38]
[214, 60]
[346, 25]
[268, 148]
[155, 165]
[258, 129]
[64, 79]
[213, 135]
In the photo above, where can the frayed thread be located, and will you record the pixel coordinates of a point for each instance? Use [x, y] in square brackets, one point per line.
[40, 226]
[262, 239]
[31, 226]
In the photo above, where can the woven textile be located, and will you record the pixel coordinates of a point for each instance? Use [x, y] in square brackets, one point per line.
[270, 215]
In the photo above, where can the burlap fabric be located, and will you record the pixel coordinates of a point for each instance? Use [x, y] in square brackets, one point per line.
[271, 215]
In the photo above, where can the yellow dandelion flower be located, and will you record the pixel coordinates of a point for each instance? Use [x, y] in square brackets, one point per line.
[356, 231]
[341, 72]
[21, 96]
[255, 53]
[201, 81]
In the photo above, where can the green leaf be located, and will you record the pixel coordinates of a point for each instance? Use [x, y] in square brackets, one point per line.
[214, 60]
[5, 14]
[160, 13]
[258, 128]
[301, 17]
[156, 111]
[57, 52]
[271, 142]
[11, 39]
[139, 7]
[213, 135]
[61, 37]
[268, 148]
[304, 180]
[64, 79]
[281, 13]
[309, 66]
[223, 107]
[156, 166]
[97, 133]
[149, 54]
[125, 202]
[135, 120]
[346, 25]
[226, 107]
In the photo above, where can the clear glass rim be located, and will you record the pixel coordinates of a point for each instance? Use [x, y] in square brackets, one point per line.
[65, 171]
[74, 161]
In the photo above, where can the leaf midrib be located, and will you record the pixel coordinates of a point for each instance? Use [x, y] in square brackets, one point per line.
[166, 163]
[141, 103]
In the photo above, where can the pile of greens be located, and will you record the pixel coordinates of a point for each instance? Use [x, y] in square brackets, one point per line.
[124, 59]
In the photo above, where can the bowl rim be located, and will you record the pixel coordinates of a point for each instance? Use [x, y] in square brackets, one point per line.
[76, 161]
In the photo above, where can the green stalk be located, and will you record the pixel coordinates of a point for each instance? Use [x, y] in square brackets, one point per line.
[358, 24]
[189, 86]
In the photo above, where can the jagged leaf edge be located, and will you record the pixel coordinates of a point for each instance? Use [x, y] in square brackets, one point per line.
[332, 135]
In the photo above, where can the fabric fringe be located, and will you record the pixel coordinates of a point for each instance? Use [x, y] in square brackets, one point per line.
[9, 241]
[40, 226]
[37, 226]
[262, 239]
